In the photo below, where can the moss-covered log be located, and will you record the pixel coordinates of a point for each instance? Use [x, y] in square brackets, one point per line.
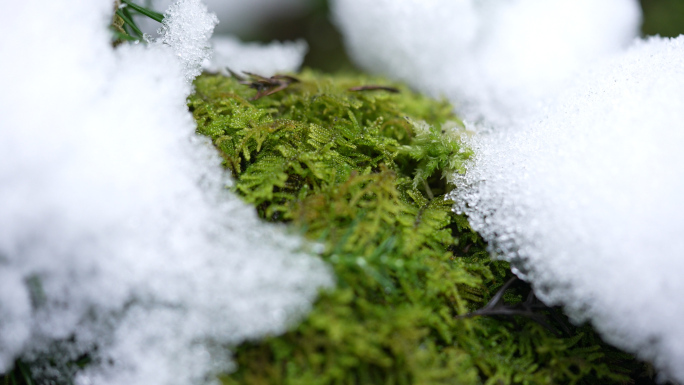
[363, 174]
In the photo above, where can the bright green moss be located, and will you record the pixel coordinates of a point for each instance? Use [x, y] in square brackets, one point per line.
[363, 173]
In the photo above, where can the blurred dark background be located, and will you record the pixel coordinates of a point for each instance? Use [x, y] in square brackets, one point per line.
[663, 17]
[326, 51]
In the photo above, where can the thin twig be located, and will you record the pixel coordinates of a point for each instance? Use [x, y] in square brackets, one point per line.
[264, 86]
[529, 309]
[375, 88]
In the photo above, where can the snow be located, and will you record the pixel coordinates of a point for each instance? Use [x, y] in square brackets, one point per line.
[118, 236]
[493, 58]
[588, 200]
[262, 59]
[187, 27]
[578, 178]
[227, 50]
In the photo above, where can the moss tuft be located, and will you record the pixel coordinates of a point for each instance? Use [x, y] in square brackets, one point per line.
[363, 174]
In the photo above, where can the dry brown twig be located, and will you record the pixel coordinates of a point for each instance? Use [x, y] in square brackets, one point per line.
[264, 86]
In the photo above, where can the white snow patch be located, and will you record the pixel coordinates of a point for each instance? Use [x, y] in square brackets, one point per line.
[495, 59]
[262, 59]
[587, 199]
[118, 236]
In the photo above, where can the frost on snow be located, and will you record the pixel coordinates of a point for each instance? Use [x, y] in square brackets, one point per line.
[118, 237]
[579, 174]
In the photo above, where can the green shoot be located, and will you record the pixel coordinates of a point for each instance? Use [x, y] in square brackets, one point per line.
[156, 16]
[124, 27]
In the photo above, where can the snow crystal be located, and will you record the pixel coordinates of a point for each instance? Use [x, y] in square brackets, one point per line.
[587, 199]
[228, 51]
[187, 27]
[118, 236]
[265, 60]
[493, 58]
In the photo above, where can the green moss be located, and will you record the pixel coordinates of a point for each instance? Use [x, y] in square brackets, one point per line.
[363, 174]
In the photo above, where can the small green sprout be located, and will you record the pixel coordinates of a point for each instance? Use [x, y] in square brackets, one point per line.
[124, 27]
